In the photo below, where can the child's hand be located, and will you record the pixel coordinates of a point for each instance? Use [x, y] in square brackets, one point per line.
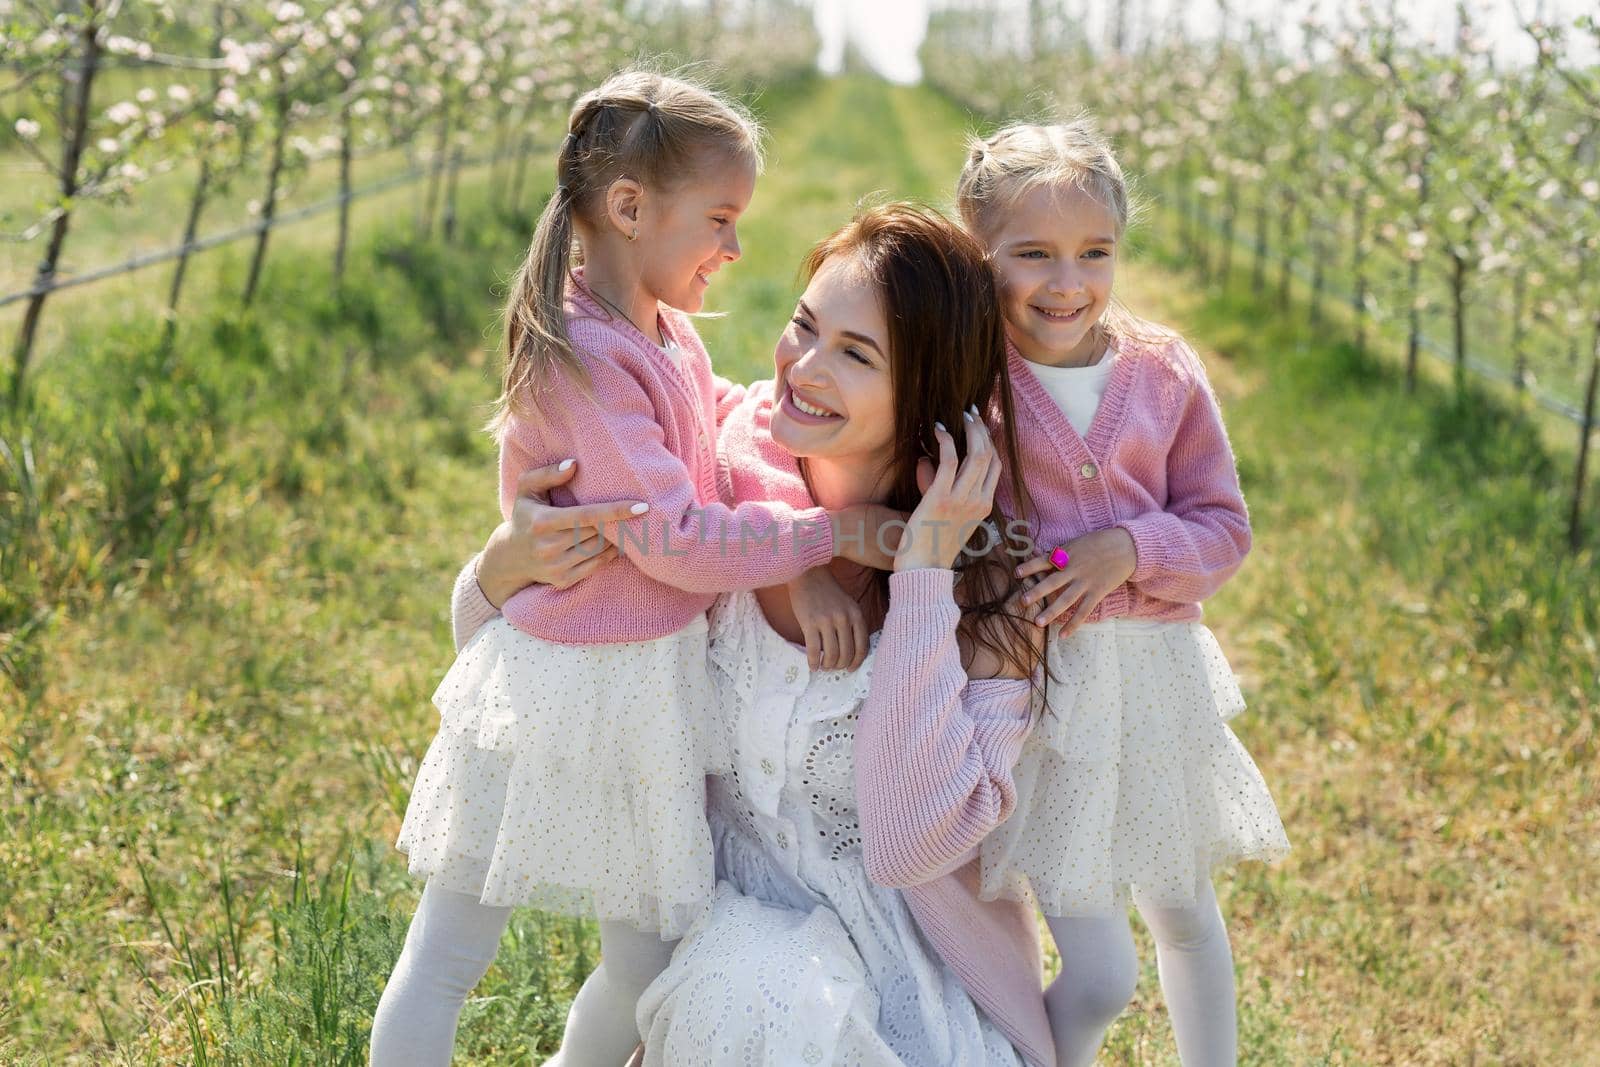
[1099, 562]
[831, 620]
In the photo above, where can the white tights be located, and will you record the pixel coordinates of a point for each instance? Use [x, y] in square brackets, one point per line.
[1100, 971]
[452, 941]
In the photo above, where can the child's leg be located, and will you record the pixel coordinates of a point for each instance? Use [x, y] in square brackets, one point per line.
[1196, 968]
[601, 1031]
[1099, 972]
[451, 942]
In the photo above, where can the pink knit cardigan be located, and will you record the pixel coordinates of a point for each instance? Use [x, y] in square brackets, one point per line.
[646, 430]
[933, 755]
[1155, 462]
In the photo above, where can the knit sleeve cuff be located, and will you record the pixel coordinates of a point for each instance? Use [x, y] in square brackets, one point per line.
[923, 588]
[1150, 533]
[814, 538]
[470, 610]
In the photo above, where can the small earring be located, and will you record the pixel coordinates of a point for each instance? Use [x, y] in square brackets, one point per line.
[634, 236]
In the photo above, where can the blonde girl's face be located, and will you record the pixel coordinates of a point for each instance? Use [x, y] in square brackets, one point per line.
[690, 231]
[1055, 253]
[835, 392]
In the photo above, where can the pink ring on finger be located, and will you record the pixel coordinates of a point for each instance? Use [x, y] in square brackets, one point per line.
[1059, 558]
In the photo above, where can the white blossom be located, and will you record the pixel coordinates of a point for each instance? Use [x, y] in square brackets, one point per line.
[236, 57]
[124, 113]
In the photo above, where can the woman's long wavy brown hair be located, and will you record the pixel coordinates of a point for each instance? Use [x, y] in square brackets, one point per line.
[947, 353]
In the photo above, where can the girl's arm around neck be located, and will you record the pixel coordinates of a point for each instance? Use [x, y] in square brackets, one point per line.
[614, 434]
[934, 750]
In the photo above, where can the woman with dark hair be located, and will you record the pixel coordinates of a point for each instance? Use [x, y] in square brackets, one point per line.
[846, 926]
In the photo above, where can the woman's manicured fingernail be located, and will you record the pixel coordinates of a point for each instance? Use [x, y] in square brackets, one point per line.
[639, 509]
[940, 427]
[967, 415]
[566, 464]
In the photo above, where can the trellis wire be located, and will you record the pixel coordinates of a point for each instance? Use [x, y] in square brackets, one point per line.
[149, 259]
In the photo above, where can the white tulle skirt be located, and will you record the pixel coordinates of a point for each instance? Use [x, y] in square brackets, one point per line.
[571, 778]
[1132, 778]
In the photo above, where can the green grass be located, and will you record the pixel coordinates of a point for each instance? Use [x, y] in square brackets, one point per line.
[243, 551]
[1418, 647]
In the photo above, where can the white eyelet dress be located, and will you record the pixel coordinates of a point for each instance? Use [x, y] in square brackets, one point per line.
[571, 777]
[1132, 778]
[802, 959]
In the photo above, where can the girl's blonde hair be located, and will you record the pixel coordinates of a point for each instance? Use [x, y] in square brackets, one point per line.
[655, 129]
[1013, 161]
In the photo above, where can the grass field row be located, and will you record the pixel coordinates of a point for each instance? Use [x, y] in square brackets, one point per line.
[205, 774]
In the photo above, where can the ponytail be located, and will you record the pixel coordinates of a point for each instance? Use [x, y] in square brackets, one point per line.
[537, 345]
[641, 125]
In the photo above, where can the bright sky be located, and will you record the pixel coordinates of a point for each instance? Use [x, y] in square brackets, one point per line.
[888, 33]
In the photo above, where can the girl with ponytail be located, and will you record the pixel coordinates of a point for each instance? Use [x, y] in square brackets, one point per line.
[568, 771]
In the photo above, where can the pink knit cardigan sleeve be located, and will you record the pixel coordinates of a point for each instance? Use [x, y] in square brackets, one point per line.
[613, 433]
[934, 751]
[1186, 551]
[729, 395]
[469, 608]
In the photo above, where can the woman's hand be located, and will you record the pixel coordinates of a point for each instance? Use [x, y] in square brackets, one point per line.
[1098, 563]
[545, 545]
[834, 626]
[956, 498]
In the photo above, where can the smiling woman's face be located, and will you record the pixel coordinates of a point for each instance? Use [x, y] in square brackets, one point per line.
[834, 389]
